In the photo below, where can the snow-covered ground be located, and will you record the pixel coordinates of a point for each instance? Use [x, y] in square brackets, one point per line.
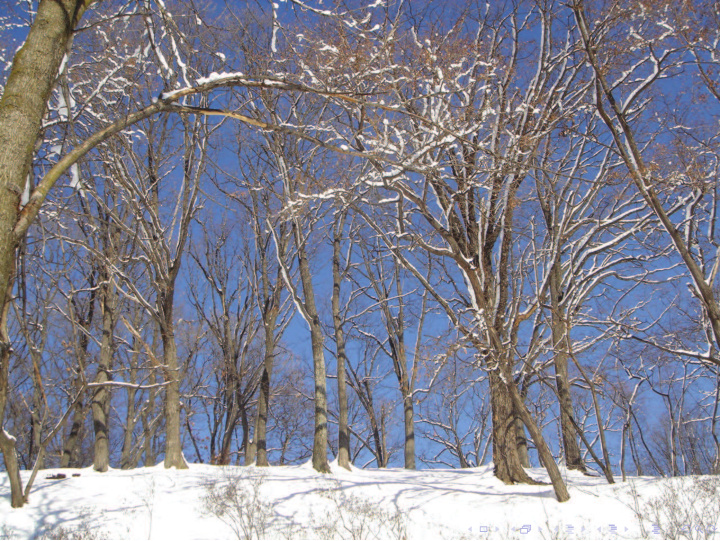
[296, 502]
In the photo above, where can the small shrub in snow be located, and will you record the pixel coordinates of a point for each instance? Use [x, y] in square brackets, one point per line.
[355, 517]
[687, 508]
[238, 503]
[83, 531]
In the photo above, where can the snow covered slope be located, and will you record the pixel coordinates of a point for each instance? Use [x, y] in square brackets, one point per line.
[228, 502]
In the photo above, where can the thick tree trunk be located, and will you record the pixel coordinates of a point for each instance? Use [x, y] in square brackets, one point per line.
[341, 358]
[522, 444]
[401, 371]
[244, 423]
[508, 464]
[257, 450]
[404, 384]
[22, 107]
[319, 455]
[561, 492]
[71, 447]
[7, 445]
[573, 458]
[173, 444]
[128, 459]
[231, 419]
[409, 417]
[69, 458]
[7, 442]
[126, 462]
[101, 394]
[260, 435]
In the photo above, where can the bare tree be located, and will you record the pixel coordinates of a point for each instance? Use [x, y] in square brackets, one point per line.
[226, 309]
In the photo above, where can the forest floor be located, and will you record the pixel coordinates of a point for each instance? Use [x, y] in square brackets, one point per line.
[292, 502]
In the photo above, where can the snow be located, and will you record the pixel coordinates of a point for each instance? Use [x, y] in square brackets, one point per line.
[25, 197]
[156, 503]
[75, 173]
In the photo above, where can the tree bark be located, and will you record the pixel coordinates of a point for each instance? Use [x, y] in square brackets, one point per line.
[561, 492]
[257, 449]
[506, 458]
[128, 459]
[148, 425]
[101, 394]
[7, 442]
[232, 415]
[573, 458]
[397, 342]
[22, 107]
[173, 444]
[71, 445]
[260, 435]
[319, 455]
[341, 358]
[522, 445]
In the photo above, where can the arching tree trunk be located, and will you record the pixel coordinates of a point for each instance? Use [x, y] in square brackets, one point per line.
[22, 107]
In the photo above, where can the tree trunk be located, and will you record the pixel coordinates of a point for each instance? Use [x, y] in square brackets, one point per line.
[397, 342]
[260, 435]
[69, 458]
[343, 429]
[508, 464]
[561, 492]
[573, 458]
[257, 450]
[36, 422]
[231, 419]
[319, 455]
[173, 445]
[126, 456]
[22, 107]
[71, 447]
[245, 430]
[7, 442]
[522, 445]
[101, 395]
[409, 431]
[126, 462]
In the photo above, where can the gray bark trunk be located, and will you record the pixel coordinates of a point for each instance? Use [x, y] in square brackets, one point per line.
[522, 445]
[101, 395]
[508, 464]
[7, 442]
[343, 429]
[127, 458]
[319, 455]
[260, 436]
[561, 492]
[257, 449]
[173, 444]
[148, 425]
[573, 458]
